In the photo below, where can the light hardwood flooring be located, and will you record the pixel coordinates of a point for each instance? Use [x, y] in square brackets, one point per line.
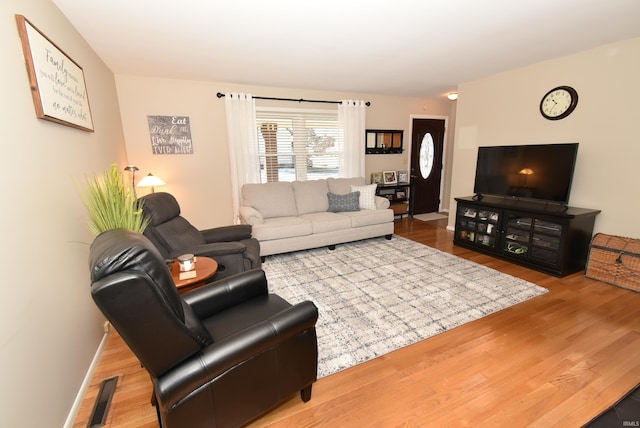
[554, 361]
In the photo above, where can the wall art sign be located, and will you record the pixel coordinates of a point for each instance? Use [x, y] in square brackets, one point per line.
[57, 82]
[170, 135]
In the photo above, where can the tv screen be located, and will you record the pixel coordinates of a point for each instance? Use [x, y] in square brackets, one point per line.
[542, 172]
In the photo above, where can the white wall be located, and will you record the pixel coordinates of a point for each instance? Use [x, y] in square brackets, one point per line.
[201, 181]
[49, 327]
[504, 109]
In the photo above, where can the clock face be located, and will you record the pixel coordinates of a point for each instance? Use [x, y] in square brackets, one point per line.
[559, 102]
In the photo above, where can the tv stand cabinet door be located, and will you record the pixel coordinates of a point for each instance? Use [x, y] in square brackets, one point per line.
[478, 227]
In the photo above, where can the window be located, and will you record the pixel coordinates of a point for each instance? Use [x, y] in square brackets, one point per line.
[298, 144]
[427, 150]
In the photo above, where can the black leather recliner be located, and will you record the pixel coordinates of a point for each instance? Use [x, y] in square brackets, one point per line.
[218, 356]
[231, 246]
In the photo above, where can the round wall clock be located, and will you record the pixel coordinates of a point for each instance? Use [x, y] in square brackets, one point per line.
[559, 102]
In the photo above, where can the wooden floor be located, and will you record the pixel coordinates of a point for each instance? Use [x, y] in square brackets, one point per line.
[554, 361]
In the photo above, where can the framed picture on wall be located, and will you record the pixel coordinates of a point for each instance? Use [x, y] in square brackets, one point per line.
[390, 177]
[57, 82]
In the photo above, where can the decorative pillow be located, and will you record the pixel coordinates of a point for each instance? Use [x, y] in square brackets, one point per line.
[341, 203]
[367, 196]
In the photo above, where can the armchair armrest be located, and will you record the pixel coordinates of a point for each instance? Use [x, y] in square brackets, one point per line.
[225, 293]
[212, 250]
[192, 376]
[235, 232]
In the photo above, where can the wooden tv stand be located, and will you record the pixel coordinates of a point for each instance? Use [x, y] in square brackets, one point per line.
[550, 238]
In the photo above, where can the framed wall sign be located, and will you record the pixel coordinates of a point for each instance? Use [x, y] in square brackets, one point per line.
[170, 135]
[57, 82]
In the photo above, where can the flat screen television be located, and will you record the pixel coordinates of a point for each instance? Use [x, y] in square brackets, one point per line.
[540, 172]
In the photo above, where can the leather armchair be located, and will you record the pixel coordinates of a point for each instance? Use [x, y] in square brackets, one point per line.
[231, 246]
[218, 356]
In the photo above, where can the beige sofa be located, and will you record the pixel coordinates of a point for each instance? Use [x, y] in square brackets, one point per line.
[293, 216]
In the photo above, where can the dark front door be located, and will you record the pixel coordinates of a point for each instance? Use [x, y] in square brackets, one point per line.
[427, 141]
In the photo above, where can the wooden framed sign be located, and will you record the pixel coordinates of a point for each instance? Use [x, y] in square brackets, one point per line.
[57, 82]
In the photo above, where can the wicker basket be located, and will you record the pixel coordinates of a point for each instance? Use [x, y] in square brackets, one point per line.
[615, 260]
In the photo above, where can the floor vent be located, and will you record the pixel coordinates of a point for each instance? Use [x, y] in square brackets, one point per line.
[101, 408]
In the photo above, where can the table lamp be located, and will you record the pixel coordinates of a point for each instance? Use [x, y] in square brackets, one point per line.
[151, 181]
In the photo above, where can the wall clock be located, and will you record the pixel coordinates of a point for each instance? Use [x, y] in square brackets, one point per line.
[559, 103]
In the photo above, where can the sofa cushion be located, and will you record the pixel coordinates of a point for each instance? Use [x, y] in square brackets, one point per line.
[311, 196]
[327, 222]
[340, 203]
[342, 186]
[369, 217]
[367, 196]
[270, 199]
[281, 227]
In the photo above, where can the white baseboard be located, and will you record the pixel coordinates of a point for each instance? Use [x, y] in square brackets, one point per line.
[73, 413]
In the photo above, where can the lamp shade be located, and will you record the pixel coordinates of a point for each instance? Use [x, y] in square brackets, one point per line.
[152, 181]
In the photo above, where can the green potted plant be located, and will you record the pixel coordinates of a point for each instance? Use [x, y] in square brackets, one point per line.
[110, 205]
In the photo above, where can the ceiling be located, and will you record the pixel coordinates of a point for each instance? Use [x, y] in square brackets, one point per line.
[416, 48]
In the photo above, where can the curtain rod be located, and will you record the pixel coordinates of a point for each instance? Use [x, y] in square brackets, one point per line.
[220, 95]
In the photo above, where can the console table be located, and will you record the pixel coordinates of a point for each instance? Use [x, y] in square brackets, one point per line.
[547, 237]
[399, 196]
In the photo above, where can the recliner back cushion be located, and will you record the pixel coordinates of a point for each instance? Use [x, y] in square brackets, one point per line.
[133, 288]
[311, 196]
[160, 207]
[119, 250]
[179, 233]
[270, 199]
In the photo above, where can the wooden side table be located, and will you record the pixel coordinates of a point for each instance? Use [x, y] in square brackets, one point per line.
[206, 267]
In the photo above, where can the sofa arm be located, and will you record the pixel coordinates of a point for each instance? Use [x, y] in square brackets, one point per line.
[225, 293]
[250, 215]
[236, 232]
[194, 374]
[382, 203]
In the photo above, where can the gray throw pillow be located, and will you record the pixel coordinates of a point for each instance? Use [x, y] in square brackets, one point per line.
[341, 203]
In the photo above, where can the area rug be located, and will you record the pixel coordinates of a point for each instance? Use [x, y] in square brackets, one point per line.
[429, 216]
[376, 295]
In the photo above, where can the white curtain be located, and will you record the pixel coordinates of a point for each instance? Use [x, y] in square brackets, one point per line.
[351, 117]
[243, 143]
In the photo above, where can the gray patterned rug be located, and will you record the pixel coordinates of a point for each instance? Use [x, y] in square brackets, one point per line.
[375, 296]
